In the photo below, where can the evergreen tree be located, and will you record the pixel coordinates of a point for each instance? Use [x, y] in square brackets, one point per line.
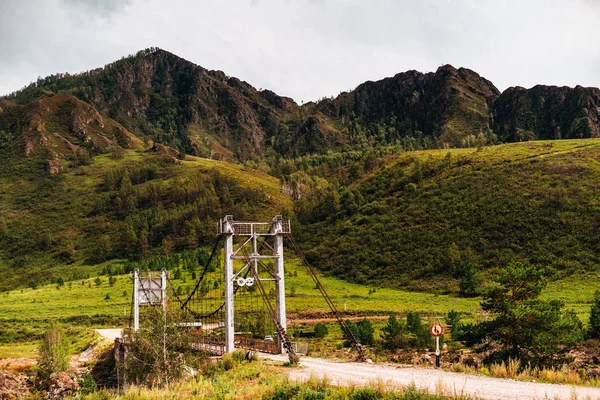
[392, 333]
[594, 326]
[129, 240]
[527, 328]
[143, 245]
[167, 246]
[420, 332]
[453, 319]
[365, 332]
[3, 228]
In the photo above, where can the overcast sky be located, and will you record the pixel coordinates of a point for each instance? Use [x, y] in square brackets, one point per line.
[308, 49]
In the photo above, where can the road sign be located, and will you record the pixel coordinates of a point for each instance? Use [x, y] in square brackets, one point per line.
[437, 330]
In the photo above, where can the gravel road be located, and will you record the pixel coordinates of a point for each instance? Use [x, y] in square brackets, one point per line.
[110, 333]
[432, 380]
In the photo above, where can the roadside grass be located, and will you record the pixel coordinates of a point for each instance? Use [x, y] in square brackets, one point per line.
[260, 380]
[513, 369]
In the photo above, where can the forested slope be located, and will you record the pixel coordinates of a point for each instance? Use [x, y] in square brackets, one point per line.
[435, 214]
[130, 205]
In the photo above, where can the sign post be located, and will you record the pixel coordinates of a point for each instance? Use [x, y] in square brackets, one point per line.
[437, 330]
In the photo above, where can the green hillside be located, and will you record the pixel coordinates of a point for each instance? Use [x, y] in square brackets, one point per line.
[425, 218]
[132, 205]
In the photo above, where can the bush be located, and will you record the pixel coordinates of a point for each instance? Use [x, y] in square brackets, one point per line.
[321, 330]
[392, 333]
[87, 384]
[54, 352]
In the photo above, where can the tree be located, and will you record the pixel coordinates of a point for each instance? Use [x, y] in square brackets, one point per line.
[98, 281]
[112, 280]
[594, 326]
[102, 249]
[453, 319]
[321, 330]
[464, 269]
[420, 333]
[525, 327]
[391, 334]
[3, 228]
[167, 246]
[160, 350]
[468, 282]
[129, 240]
[365, 332]
[54, 352]
[143, 245]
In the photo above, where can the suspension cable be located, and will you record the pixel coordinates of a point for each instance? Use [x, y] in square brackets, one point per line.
[184, 304]
[345, 328]
[280, 331]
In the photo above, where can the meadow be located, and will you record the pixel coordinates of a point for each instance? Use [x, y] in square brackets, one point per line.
[86, 304]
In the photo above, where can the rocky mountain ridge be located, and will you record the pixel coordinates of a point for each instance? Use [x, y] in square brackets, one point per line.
[158, 95]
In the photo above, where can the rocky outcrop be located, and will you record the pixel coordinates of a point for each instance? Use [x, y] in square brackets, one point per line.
[547, 112]
[449, 105]
[56, 128]
[158, 95]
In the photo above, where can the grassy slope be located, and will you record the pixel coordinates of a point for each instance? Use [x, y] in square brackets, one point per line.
[44, 213]
[538, 201]
[83, 305]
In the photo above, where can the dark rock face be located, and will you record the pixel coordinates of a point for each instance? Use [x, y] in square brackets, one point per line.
[448, 105]
[158, 94]
[182, 105]
[547, 112]
[59, 127]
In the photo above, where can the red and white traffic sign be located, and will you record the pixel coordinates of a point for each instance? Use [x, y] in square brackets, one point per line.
[437, 330]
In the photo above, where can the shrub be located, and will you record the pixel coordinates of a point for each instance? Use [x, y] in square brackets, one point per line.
[321, 330]
[392, 333]
[54, 352]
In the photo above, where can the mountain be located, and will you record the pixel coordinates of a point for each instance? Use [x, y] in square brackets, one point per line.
[176, 102]
[55, 129]
[170, 100]
[547, 112]
[103, 165]
[408, 222]
[450, 106]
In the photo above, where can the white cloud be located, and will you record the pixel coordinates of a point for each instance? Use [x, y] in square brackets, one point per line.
[308, 49]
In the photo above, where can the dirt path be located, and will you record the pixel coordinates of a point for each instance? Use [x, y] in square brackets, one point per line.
[433, 380]
[110, 333]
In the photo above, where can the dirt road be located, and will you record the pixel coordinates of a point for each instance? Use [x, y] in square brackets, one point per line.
[432, 380]
[110, 333]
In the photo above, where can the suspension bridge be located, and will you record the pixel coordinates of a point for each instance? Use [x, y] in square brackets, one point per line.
[239, 302]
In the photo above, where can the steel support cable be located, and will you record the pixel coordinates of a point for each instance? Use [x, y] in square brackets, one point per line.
[280, 331]
[234, 290]
[131, 309]
[359, 347]
[203, 272]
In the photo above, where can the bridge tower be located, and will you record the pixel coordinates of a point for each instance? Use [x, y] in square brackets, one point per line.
[258, 242]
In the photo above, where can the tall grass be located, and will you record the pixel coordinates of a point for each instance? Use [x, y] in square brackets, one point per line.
[258, 380]
[513, 369]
